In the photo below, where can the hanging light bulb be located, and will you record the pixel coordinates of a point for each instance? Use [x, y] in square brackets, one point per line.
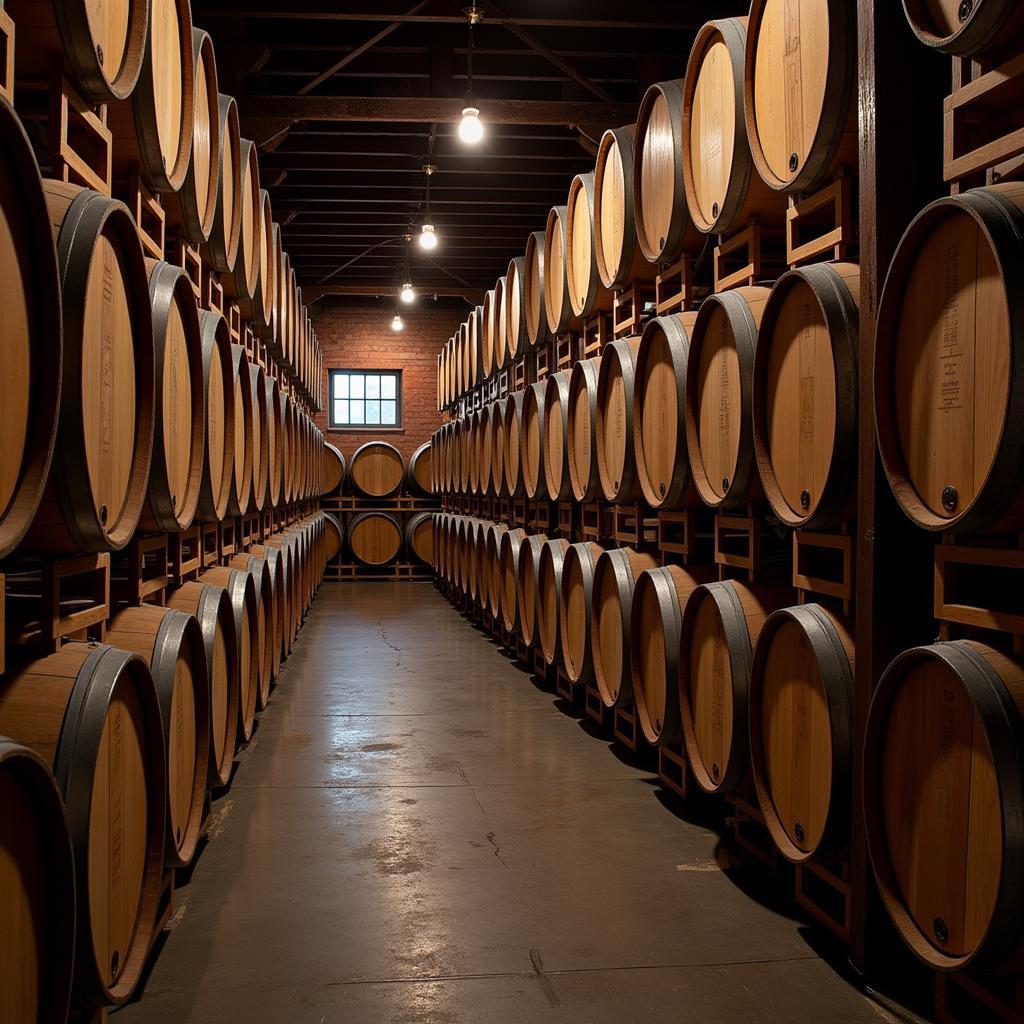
[397, 323]
[428, 240]
[407, 294]
[471, 129]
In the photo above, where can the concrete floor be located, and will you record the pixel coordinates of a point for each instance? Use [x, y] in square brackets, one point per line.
[418, 834]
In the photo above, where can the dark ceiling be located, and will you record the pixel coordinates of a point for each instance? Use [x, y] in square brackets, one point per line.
[347, 103]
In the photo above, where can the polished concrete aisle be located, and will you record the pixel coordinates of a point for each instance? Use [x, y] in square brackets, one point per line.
[418, 834]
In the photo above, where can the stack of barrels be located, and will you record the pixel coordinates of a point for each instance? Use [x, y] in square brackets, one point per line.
[147, 402]
[374, 504]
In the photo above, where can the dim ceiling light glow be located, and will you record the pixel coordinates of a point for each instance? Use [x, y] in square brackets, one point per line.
[428, 240]
[407, 294]
[397, 324]
[471, 129]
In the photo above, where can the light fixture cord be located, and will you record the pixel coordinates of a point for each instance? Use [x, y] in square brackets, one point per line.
[469, 64]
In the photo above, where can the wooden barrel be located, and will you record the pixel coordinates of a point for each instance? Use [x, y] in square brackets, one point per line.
[664, 228]
[334, 469]
[805, 394]
[549, 595]
[376, 470]
[581, 424]
[492, 566]
[614, 424]
[722, 191]
[531, 443]
[659, 422]
[194, 206]
[942, 798]
[97, 484]
[419, 538]
[469, 469]
[472, 556]
[374, 538]
[575, 604]
[211, 607]
[91, 712]
[104, 53]
[719, 410]
[557, 307]
[619, 258]
[480, 453]
[517, 338]
[488, 320]
[978, 27]
[30, 342]
[462, 549]
[800, 90]
[219, 408]
[153, 131]
[556, 435]
[508, 576]
[221, 250]
[335, 533]
[37, 890]
[512, 417]
[240, 489]
[267, 621]
[587, 294]
[660, 597]
[241, 589]
[242, 283]
[720, 626]
[498, 445]
[949, 425]
[615, 574]
[801, 730]
[171, 643]
[260, 311]
[537, 329]
[275, 441]
[278, 553]
[473, 344]
[418, 473]
[279, 325]
[260, 427]
[528, 575]
[180, 421]
[501, 355]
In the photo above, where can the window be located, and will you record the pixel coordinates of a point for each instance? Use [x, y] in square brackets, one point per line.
[366, 398]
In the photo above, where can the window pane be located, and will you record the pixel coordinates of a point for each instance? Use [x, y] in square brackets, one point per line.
[341, 385]
[341, 412]
[372, 410]
[372, 386]
[387, 385]
[357, 385]
[357, 412]
[387, 413]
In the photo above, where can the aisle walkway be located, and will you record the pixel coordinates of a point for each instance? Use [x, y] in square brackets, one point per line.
[418, 834]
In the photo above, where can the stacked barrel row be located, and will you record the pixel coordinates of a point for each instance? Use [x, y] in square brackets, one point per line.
[107, 754]
[128, 404]
[375, 475]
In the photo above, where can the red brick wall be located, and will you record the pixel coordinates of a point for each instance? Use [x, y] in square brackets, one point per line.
[357, 337]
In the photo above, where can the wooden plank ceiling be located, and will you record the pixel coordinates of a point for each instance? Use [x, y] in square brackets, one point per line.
[349, 100]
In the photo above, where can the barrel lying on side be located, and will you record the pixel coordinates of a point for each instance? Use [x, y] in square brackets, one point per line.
[376, 470]
[575, 604]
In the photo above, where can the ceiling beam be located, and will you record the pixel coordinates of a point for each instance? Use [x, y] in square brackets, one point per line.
[314, 293]
[430, 109]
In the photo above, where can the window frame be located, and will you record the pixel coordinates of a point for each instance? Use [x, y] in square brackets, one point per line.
[366, 428]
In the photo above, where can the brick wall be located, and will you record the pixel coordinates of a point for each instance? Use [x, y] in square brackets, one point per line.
[359, 336]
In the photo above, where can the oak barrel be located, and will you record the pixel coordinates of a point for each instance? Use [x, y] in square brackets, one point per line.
[268, 616]
[508, 574]
[575, 605]
[171, 643]
[527, 600]
[91, 712]
[512, 417]
[517, 338]
[614, 424]
[275, 442]
[493, 536]
[180, 421]
[263, 310]
[664, 228]
[497, 446]
[258, 442]
[587, 293]
[720, 625]
[219, 403]
[418, 473]
[531, 443]
[501, 354]
[805, 394]
[374, 538]
[241, 283]
[221, 249]
[943, 738]
[555, 436]
[537, 329]
[660, 597]
[376, 470]
[37, 891]
[801, 730]
[948, 379]
[211, 606]
[557, 308]
[955, 27]
[240, 490]
[550, 567]
[719, 409]
[581, 425]
[100, 470]
[800, 91]
[335, 532]
[419, 538]
[30, 342]
[615, 575]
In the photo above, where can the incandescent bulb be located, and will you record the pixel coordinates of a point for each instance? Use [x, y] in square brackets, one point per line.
[407, 294]
[396, 324]
[428, 240]
[471, 129]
